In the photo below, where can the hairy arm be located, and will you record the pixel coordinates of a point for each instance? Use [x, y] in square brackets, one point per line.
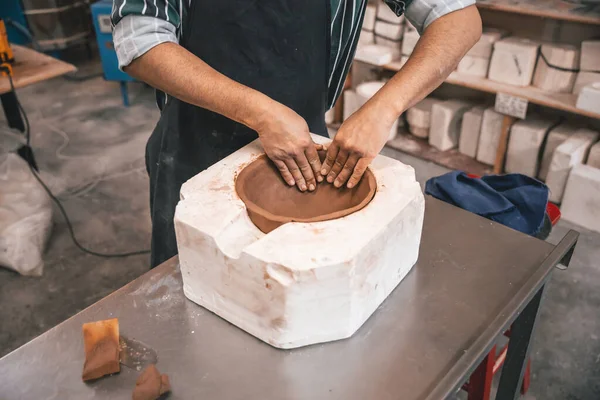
[436, 54]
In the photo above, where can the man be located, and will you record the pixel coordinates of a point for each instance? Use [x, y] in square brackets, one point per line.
[228, 71]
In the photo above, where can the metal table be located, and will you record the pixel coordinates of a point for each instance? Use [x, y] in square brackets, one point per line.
[473, 279]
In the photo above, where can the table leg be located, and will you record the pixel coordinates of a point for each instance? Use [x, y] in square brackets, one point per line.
[518, 350]
[11, 110]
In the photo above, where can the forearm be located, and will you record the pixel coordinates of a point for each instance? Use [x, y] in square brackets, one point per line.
[435, 56]
[174, 70]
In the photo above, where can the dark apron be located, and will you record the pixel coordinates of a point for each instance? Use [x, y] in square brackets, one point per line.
[278, 47]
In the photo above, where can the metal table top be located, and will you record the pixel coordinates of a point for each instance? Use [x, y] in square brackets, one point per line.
[472, 278]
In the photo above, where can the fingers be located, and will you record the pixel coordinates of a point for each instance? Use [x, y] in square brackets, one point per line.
[332, 152]
[307, 172]
[359, 170]
[315, 163]
[338, 164]
[285, 172]
[347, 171]
[296, 173]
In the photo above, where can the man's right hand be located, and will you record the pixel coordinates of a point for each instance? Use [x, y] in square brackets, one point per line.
[286, 139]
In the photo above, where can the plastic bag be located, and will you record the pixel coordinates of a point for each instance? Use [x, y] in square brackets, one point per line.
[25, 217]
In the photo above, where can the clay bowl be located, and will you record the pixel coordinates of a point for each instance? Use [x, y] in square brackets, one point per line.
[271, 202]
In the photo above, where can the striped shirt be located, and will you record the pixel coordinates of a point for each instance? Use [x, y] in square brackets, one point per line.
[139, 25]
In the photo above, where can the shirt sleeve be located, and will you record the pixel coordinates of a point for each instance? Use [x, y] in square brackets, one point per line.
[421, 13]
[140, 25]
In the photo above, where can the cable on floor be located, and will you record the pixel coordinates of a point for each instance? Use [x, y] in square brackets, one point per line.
[55, 199]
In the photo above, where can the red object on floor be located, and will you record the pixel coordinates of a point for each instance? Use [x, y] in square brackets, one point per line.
[479, 385]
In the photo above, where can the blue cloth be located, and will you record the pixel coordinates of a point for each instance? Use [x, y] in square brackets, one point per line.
[514, 200]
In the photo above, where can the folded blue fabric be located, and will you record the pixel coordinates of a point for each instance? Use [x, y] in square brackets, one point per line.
[514, 200]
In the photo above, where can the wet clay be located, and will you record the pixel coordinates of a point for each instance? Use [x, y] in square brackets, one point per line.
[271, 202]
[101, 344]
[150, 385]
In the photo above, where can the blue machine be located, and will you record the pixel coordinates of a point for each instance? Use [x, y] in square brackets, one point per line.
[101, 15]
[11, 9]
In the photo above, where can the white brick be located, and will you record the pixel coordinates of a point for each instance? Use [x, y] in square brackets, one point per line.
[483, 47]
[581, 203]
[285, 287]
[589, 98]
[524, 145]
[475, 66]
[571, 152]
[555, 138]
[491, 127]
[446, 118]
[351, 103]
[551, 79]
[470, 131]
[388, 30]
[409, 41]
[419, 117]
[393, 45]
[513, 61]
[584, 78]
[366, 38]
[590, 55]
[370, 16]
[594, 156]
[386, 14]
[374, 54]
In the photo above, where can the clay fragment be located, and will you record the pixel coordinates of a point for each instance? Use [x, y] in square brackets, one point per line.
[271, 202]
[101, 344]
[150, 385]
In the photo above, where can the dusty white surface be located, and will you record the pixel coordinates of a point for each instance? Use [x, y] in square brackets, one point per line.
[365, 91]
[551, 79]
[419, 117]
[581, 203]
[589, 98]
[583, 79]
[374, 54]
[484, 46]
[393, 45]
[301, 283]
[351, 103]
[370, 16]
[389, 30]
[409, 41]
[446, 118]
[513, 61]
[524, 145]
[594, 156]
[570, 153]
[472, 65]
[555, 138]
[491, 127]
[366, 38]
[469, 131]
[590, 55]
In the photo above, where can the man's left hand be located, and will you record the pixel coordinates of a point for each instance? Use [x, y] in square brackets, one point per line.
[358, 141]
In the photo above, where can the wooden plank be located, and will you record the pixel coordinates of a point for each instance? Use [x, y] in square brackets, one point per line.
[31, 67]
[503, 144]
[559, 101]
[452, 159]
[554, 9]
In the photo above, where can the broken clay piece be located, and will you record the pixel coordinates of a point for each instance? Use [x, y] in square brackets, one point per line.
[101, 344]
[271, 202]
[150, 385]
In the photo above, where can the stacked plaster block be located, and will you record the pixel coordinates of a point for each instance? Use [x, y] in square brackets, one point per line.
[365, 91]
[491, 128]
[555, 138]
[477, 60]
[409, 41]
[571, 152]
[589, 98]
[388, 29]
[581, 203]
[470, 131]
[551, 79]
[590, 55]
[366, 34]
[524, 145]
[351, 103]
[584, 78]
[446, 118]
[513, 61]
[594, 156]
[419, 117]
[374, 54]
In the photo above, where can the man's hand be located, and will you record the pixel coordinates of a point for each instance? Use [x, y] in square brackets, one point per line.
[287, 142]
[358, 141]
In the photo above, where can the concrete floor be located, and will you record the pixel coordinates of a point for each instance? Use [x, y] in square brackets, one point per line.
[90, 149]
